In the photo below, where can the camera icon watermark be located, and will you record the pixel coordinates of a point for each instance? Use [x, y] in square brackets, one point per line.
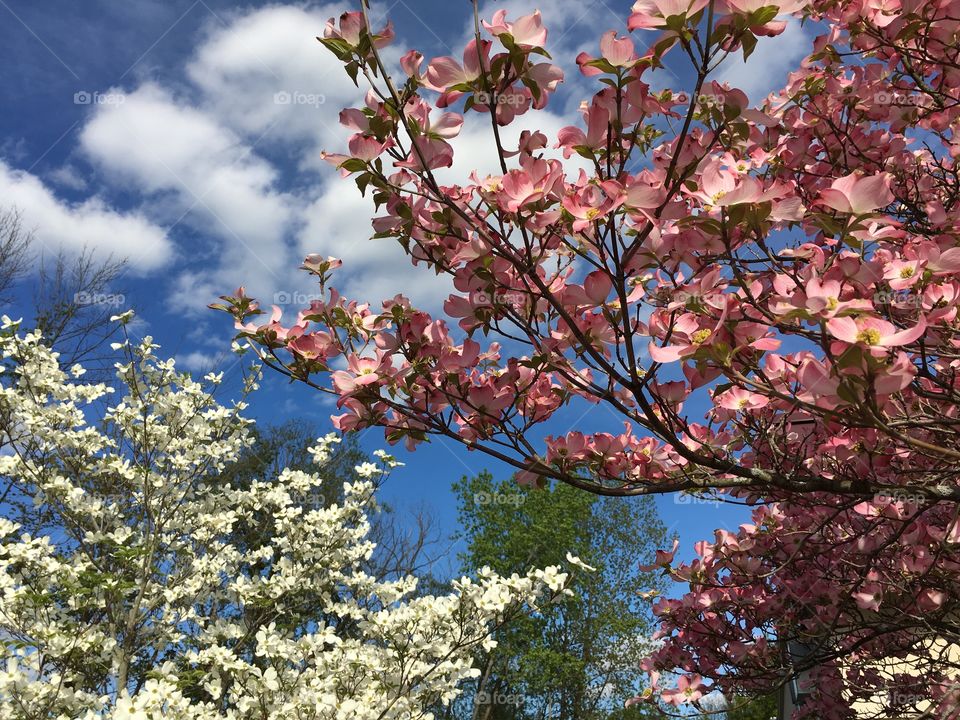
[481, 97]
[687, 498]
[108, 299]
[498, 698]
[902, 496]
[285, 97]
[86, 97]
[296, 298]
[513, 299]
[702, 99]
[516, 500]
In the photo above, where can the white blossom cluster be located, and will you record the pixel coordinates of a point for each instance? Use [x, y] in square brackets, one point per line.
[123, 591]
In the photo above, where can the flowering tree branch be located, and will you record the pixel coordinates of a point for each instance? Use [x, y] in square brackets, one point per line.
[645, 287]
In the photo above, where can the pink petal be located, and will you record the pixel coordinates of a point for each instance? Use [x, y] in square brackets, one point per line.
[871, 193]
[843, 328]
[949, 261]
[669, 353]
[904, 337]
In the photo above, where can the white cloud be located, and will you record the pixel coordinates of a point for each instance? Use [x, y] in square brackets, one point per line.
[69, 177]
[234, 172]
[164, 145]
[767, 68]
[200, 362]
[215, 157]
[211, 157]
[88, 224]
[205, 175]
[266, 74]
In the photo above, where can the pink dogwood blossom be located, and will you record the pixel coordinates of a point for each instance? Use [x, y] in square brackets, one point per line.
[764, 291]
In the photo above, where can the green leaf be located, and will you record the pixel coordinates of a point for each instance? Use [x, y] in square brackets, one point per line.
[534, 89]
[353, 165]
[603, 65]
[844, 392]
[340, 48]
[676, 22]
[362, 182]
[353, 70]
[749, 45]
[764, 15]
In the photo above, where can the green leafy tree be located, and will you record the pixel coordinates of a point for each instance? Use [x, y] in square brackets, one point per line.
[759, 708]
[579, 657]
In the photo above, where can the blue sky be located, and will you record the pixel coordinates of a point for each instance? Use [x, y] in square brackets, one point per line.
[185, 135]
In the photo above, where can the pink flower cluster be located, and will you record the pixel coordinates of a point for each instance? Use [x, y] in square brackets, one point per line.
[791, 264]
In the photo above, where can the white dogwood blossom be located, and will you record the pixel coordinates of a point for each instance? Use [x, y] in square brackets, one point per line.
[124, 594]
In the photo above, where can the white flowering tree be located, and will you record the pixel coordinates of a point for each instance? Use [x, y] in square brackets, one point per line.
[121, 595]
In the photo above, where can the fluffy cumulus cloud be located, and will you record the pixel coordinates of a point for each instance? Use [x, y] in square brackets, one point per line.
[228, 159]
[90, 224]
[266, 76]
[202, 174]
[233, 156]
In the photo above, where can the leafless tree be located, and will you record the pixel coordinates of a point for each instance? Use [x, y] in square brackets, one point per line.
[71, 295]
[14, 253]
[413, 547]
